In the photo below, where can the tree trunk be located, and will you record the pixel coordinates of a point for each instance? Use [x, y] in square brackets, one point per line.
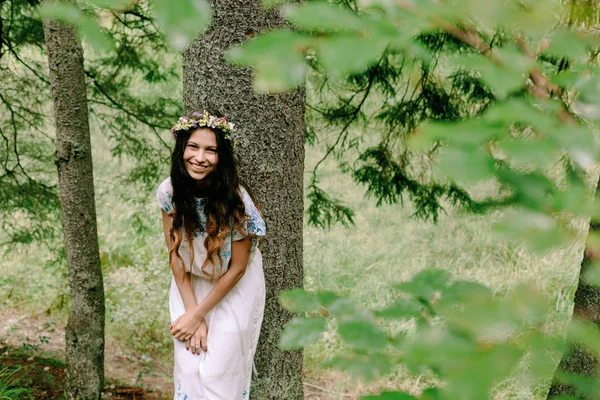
[270, 146]
[73, 158]
[578, 360]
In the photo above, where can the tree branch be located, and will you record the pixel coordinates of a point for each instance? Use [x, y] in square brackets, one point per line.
[541, 87]
[344, 130]
[121, 107]
[16, 55]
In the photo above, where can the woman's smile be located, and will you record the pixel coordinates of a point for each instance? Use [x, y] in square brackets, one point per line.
[197, 167]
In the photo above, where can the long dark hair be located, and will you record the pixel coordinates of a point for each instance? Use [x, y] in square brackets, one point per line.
[223, 207]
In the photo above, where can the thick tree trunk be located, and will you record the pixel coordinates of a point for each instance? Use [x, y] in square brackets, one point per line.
[577, 360]
[85, 329]
[270, 148]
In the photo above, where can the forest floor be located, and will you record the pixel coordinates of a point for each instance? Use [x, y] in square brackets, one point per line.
[35, 351]
[44, 378]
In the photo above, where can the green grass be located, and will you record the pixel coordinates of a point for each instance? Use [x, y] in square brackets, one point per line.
[384, 246]
[9, 387]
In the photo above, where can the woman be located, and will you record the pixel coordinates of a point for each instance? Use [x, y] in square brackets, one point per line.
[217, 295]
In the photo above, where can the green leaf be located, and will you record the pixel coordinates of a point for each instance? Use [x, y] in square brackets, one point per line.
[111, 4]
[592, 273]
[277, 57]
[431, 394]
[474, 377]
[88, 27]
[361, 334]
[322, 17]
[588, 102]
[183, 22]
[346, 54]
[61, 12]
[301, 332]
[366, 366]
[586, 386]
[577, 200]
[568, 78]
[425, 283]
[390, 396]
[465, 164]
[460, 292]
[93, 33]
[537, 152]
[437, 349]
[472, 132]
[586, 334]
[531, 190]
[513, 110]
[568, 44]
[299, 300]
[326, 298]
[527, 303]
[503, 76]
[579, 141]
[342, 307]
[402, 308]
[535, 229]
[482, 317]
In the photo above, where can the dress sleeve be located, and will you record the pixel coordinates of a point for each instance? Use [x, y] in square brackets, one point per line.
[164, 197]
[256, 225]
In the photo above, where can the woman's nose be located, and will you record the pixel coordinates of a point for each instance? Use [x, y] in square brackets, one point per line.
[200, 155]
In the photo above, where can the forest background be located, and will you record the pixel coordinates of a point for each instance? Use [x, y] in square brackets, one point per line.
[134, 97]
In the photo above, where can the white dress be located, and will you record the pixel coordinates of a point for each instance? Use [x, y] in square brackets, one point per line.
[224, 371]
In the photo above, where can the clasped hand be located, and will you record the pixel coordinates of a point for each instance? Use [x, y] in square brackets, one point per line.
[185, 326]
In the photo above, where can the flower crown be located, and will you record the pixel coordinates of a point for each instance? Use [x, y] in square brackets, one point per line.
[200, 120]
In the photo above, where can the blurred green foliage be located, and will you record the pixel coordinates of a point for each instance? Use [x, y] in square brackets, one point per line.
[464, 92]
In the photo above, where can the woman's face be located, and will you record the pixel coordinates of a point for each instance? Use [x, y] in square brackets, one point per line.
[200, 154]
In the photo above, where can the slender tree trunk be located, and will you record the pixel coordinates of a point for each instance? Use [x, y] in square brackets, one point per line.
[271, 151]
[85, 329]
[578, 360]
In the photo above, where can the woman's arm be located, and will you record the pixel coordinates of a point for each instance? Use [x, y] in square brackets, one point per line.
[187, 324]
[184, 284]
[240, 253]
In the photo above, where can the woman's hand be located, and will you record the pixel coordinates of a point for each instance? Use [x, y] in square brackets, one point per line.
[186, 325]
[198, 340]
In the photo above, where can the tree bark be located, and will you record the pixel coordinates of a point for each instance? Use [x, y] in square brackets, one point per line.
[270, 146]
[73, 158]
[577, 359]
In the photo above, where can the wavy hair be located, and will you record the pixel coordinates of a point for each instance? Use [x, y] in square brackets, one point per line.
[223, 207]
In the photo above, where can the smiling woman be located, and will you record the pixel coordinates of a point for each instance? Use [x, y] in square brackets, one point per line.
[211, 226]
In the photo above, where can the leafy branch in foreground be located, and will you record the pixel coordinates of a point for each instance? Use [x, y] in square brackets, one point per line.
[389, 77]
[505, 93]
[461, 334]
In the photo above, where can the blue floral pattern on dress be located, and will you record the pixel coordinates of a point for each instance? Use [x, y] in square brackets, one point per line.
[180, 395]
[254, 228]
[165, 197]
